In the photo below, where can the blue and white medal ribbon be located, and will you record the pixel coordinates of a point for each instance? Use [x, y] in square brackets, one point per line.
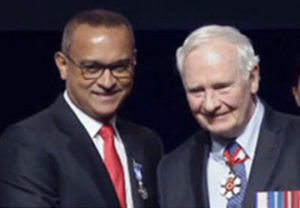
[137, 169]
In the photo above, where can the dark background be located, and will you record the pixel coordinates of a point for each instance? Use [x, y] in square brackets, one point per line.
[30, 34]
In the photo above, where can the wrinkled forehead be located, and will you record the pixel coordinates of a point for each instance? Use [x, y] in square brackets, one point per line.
[212, 61]
[211, 54]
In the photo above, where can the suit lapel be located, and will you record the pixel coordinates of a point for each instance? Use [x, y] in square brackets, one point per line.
[83, 150]
[266, 156]
[133, 153]
[198, 166]
[137, 200]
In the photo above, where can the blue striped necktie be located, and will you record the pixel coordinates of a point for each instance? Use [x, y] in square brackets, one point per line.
[240, 172]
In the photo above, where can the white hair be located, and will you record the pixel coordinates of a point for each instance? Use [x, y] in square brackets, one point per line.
[204, 35]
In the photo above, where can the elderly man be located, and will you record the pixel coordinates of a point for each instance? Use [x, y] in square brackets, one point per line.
[246, 148]
[77, 153]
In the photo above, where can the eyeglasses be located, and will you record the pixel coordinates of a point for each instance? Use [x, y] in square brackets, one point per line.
[93, 70]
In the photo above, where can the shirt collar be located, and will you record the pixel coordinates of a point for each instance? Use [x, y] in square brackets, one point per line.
[91, 125]
[247, 139]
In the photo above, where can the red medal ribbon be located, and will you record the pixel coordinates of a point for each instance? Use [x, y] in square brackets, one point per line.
[232, 160]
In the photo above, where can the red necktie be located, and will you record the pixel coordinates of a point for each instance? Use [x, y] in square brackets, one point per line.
[112, 163]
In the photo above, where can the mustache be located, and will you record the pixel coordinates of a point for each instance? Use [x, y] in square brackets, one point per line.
[107, 91]
[111, 90]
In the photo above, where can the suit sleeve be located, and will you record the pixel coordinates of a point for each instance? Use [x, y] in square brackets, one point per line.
[161, 180]
[27, 176]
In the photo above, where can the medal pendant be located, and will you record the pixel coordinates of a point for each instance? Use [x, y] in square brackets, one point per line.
[143, 192]
[230, 186]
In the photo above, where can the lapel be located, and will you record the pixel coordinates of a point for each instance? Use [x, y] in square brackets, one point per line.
[134, 153]
[267, 153]
[83, 150]
[198, 166]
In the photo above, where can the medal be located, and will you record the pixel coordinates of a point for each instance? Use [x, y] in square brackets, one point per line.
[232, 184]
[137, 169]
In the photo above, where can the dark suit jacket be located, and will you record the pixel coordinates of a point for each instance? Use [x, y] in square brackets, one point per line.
[50, 160]
[276, 166]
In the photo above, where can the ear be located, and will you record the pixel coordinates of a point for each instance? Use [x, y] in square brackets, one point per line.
[254, 79]
[61, 63]
[296, 95]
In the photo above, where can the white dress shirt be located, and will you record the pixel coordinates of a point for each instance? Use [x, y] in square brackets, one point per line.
[93, 126]
[217, 169]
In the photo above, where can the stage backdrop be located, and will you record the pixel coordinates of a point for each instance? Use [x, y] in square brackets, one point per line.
[30, 81]
[30, 34]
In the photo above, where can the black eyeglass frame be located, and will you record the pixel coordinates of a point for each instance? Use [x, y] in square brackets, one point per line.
[111, 67]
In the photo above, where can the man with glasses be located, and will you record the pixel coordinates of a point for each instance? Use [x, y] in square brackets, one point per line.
[77, 153]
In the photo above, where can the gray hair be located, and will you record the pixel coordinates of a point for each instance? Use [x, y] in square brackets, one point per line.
[203, 35]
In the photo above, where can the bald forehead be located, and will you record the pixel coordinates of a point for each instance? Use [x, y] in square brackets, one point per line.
[85, 31]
